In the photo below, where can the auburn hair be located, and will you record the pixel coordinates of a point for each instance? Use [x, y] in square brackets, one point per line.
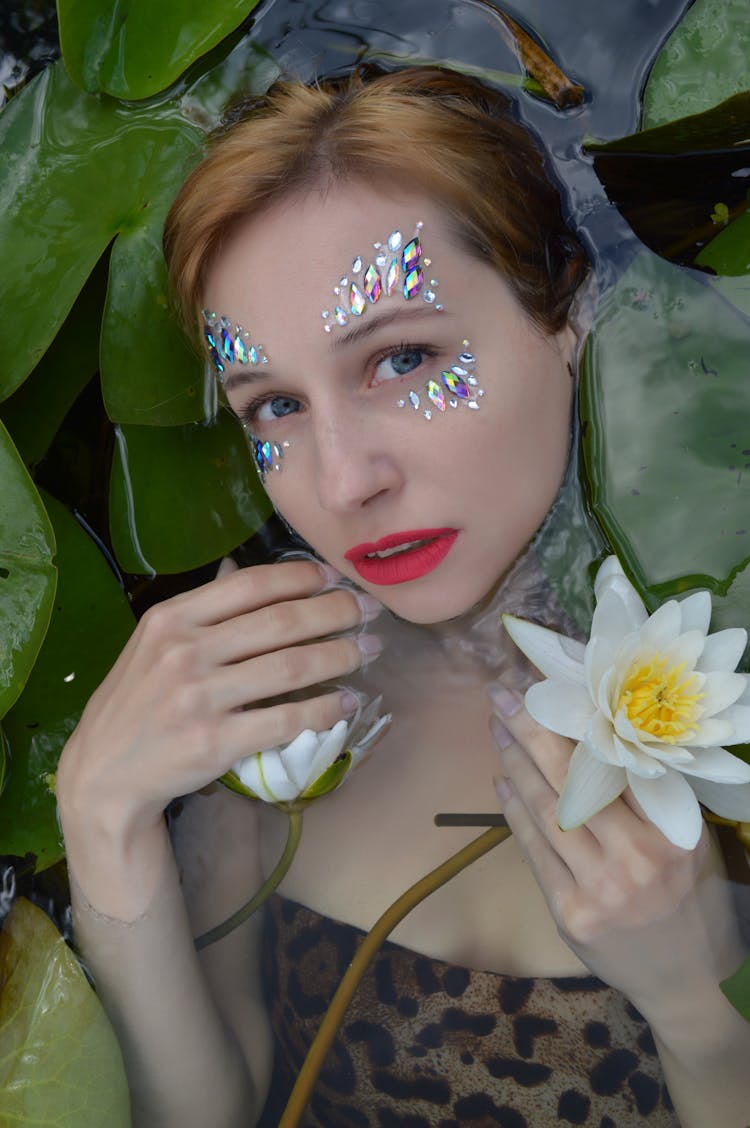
[426, 128]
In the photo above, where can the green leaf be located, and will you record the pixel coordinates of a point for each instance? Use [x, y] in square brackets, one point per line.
[90, 624]
[135, 48]
[34, 412]
[737, 989]
[27, 574]
[60, 1064]
[666, 418]
[182, 496]
[331, 778]
[704, 61]
[3, 760]
[729, 251]
[94, 170]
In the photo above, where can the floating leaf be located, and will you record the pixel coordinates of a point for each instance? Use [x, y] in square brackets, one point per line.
[704, 61]
[91, 622]
[666, 410]
[27, 574]
[60, 1064]
[182, 496]
[729, 251]
[130, 162]
[133, 48]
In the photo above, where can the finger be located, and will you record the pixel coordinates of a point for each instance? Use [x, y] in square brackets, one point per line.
[550, 752]
[577, 849]
[247, 589]
[258, 729]
[284, 671]
[550, 870]
[289, 623]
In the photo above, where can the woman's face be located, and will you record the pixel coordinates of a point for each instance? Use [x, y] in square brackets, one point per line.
[361, 477]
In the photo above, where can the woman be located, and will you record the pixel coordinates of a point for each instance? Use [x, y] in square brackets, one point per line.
[395, 279]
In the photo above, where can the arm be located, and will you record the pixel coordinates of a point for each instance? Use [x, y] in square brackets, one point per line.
[172, 716]
[655, 921]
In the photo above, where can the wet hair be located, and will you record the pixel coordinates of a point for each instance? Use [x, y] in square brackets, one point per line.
[425, 128]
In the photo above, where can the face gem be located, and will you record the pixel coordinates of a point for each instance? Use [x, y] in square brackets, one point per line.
[227, 345]
[240, 348]
[429, 296]
[340, 316]
[455, 385]
[458, 370]
[356, 301]
[435, 393]
[413, 283]
[373, 287]
[253, 355]
[466, 358]
[427, 414]
[394, 241]
[381, 259]
[414, 400]
[356, 265]
[391, 278]
[411, 254]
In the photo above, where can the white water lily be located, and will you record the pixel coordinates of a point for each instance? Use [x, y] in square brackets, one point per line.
[313, 764]
[651, 701]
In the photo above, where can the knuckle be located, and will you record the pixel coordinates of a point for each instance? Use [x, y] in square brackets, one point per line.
[281, 619]
[292, 664]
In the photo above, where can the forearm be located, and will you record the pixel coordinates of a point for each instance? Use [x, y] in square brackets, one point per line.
[184, 1065]
[706, 1061]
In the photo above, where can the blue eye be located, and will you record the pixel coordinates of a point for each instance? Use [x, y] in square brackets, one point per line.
[400, 363]
[276, 408]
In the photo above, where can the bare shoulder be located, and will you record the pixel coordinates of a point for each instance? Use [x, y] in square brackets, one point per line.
[215, 836]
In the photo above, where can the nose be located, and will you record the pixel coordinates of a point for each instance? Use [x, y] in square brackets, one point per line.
[354, 464]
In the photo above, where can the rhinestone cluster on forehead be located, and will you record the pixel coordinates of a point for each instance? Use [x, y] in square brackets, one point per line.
[229, 343]
[457, 385]
[395, 267]
[266, 456]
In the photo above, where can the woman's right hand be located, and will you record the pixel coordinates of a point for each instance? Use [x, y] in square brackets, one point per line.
[192, 691]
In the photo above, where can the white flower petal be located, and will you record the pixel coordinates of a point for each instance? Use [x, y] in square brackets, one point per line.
[362, 748]
[612, 617]
[638, 761]
[553, 654]
[590, 786]
[264, 774]
[611, 577]
[562, 708]
[608, 570]
[723, 650]
[669, 802]
[605, 693]
[738, 716]
[684, 651]
[696, 612]
[598, 658]
[662, 628]
[718, 765]
[331, 743]
[599, 741]
[298, 755]
[720, 691]
[730, 801]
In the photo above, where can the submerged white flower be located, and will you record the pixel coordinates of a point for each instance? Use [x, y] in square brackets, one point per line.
[313, 764]
[651, 701]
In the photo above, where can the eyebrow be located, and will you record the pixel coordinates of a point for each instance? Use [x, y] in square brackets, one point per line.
[338, 341]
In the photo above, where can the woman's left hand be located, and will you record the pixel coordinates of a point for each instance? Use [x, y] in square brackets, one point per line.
[647, 917]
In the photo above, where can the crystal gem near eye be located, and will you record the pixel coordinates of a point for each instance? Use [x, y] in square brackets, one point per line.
[414, 400]
[340, 316]
[356, 300]
[227, 344]
[394, 240]
[391, 278]
[252, 354]
[413, 283]
[373, 287]
[411, 254]
[435, 393]
[356, 265]
[466, 358]
[240, 348]
[455, 385]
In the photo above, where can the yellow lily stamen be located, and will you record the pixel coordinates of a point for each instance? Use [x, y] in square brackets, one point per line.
[660, 702]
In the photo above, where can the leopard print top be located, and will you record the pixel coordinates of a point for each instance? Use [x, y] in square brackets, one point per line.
[427, 1044]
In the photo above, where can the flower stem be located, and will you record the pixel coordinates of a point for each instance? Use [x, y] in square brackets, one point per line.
[364, 956]
[266, 889]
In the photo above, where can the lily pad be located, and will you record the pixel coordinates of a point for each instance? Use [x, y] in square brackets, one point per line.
[704, 61]
[666, 418]
[181, 497]
[130, 162]
[134, 48]
[27, 573]
[60, 1064]
[90, 624]
[729, 251]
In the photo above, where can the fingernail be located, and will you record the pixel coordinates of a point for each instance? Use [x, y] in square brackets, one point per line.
[369, 605]
[351, 702]
[502, 737]
[505, 700]
[370, 645]
[503, 788]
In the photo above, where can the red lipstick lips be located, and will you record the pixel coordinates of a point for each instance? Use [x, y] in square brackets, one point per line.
[406, 556]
